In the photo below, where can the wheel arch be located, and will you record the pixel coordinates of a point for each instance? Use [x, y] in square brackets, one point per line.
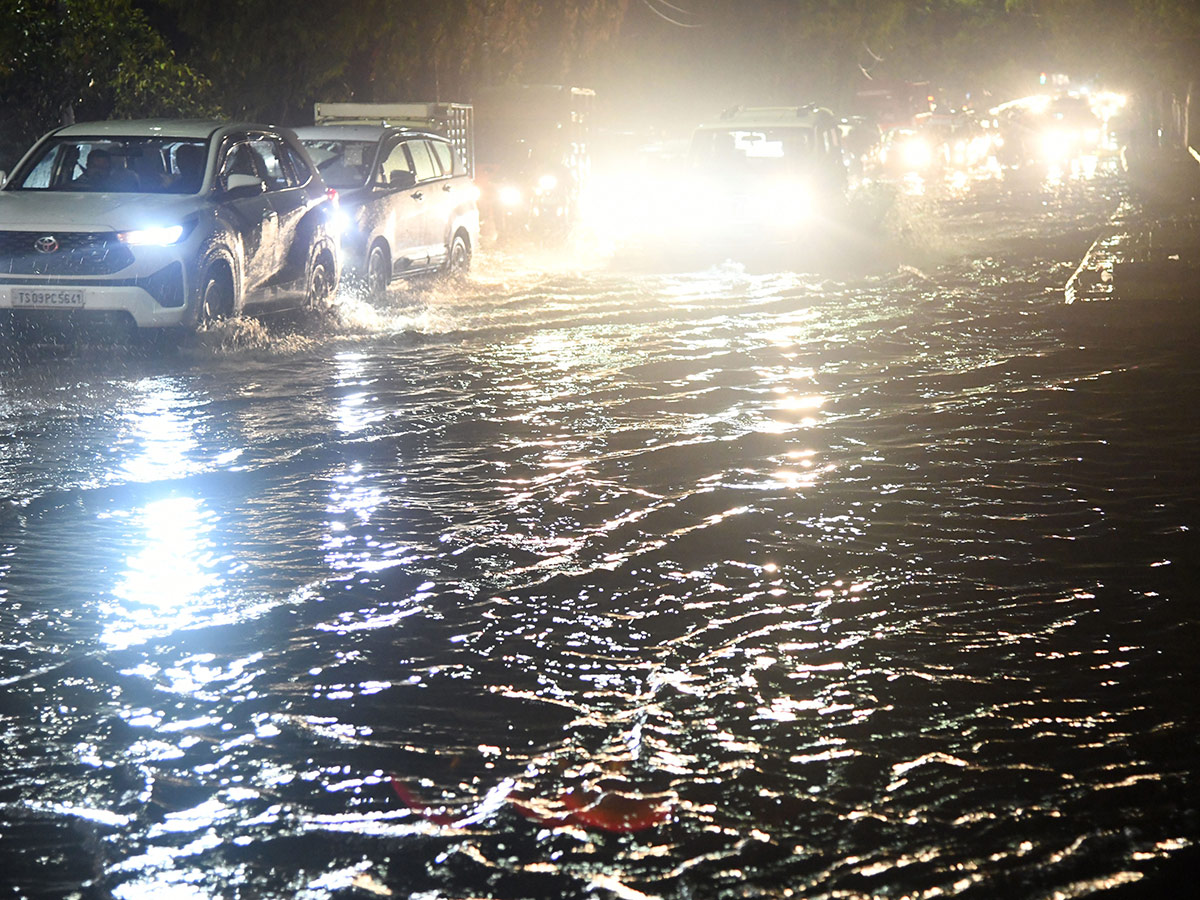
[323, 251]
[228, 264]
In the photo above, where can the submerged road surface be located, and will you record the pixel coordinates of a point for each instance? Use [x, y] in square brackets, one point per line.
[591, 580]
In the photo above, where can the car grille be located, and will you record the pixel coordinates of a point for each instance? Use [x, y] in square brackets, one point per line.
[77, 253]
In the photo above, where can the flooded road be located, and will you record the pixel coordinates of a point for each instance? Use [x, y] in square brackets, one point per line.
[590, 580]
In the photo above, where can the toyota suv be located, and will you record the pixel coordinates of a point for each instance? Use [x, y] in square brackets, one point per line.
[164, 223]
[407, 203]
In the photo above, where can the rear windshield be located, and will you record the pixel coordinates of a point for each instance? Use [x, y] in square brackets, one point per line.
[762, 149]
[123, 165]
[342, 164]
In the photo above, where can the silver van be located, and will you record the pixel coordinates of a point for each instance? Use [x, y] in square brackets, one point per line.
[408, 205]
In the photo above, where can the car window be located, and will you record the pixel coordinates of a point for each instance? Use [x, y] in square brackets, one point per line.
[765, 150]
[268, 151]
[829, 143]
[443, 156]
[186, 163]
[422, 161]
[240, 159]
[342, 164]
[397, 160]
[39, 175]
[298, 171]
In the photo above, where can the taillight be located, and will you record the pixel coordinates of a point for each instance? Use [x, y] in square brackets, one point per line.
[332, 194]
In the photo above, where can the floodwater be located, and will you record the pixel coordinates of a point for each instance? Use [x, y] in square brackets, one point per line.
[587, 579]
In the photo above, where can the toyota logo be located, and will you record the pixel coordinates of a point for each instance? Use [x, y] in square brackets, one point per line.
[47, 244]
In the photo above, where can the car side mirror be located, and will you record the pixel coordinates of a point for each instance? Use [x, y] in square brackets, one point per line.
[243, 185]
[402, 179]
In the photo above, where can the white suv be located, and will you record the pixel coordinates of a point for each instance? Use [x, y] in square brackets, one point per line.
[409, 206]
[164, 223]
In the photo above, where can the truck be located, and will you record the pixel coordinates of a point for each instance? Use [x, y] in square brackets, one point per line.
[534, 157]
[455, 121]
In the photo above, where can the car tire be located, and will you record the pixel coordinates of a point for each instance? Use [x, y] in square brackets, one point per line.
[379, 266]
[216, 297]
[458, 260]
[322, 282]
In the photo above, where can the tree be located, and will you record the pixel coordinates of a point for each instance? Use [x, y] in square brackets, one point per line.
[450, 49]
[267, 65]
[86, 59]
[269, 61]
[1151, 47]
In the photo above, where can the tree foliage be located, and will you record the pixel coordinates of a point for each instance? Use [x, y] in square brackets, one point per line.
[260, 59]
[1143, 43]
[87, 59]
[273, 65]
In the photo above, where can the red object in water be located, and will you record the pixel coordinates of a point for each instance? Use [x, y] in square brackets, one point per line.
[612, 812]
[410, 800]
[597, 810]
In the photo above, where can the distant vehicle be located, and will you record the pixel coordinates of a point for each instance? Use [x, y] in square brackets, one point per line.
[862, 140]
[409, 206]
[752, 179]
[905, 151]
[763, 174]
[164, 223]
[534, 157]
[892, 104]
[1070, 128]
[1046, 129]
[938, 142]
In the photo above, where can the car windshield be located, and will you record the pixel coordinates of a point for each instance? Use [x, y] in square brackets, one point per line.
[752, 150]
[125, 165]
[343, 164]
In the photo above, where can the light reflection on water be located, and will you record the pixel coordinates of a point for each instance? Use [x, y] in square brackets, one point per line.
[172, 574]
[861, 582]
[161, 441]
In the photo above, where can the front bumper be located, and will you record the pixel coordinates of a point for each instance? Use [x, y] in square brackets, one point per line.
[155, 301]
[153, 287]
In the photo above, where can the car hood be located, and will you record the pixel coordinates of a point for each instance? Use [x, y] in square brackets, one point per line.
[35, 211]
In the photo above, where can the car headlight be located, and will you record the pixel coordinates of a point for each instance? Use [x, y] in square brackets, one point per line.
[1056, 145]
[509, 195]
[340, 222]
[547, 182]
[158, 236]
[797, 202]
[916, 153]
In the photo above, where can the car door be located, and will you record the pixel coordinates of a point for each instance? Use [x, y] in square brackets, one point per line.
[248, 213]
[288, 201]
[403, 208]
[428, 193]
[449, 194]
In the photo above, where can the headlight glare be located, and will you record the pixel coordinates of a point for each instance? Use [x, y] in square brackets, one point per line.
[509, 195]
[340, 222]
[158, 236]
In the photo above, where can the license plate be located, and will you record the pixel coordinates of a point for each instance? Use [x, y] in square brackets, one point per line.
[47, 299]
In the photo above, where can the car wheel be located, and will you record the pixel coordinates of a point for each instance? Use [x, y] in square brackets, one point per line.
[378, 273]
[216, 297]
[321, 282]
[458, 261]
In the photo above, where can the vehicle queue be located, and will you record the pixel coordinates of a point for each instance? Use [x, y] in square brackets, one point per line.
[174, 224]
